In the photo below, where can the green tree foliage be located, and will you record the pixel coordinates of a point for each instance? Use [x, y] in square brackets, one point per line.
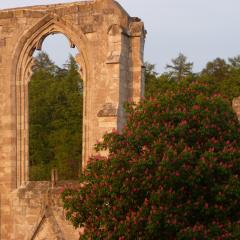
[150, 74]
[217, 69]
[224, 77]
[235, 62]
[55, 115]
[156, 84]
[180, 68]
[221, 76]
[172, 173]
[151, 78]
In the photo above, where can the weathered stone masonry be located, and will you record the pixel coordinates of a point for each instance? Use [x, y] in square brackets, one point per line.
[236, 106]
[111, 45]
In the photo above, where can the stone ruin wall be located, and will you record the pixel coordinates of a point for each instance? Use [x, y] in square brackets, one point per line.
[111, 46]
[236, 106]
[38, 213]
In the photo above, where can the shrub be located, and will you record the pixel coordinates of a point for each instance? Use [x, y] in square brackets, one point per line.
[172, 173]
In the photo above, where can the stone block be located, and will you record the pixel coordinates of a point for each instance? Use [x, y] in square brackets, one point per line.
[6, 14]
[2, 42]
[37, 14]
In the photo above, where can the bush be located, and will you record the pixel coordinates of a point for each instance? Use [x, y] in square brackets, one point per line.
[173, 173]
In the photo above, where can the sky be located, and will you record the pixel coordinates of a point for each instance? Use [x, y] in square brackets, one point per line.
[201, 29]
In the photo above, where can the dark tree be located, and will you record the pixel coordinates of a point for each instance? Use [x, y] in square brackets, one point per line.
[180, 68]
[217, 69]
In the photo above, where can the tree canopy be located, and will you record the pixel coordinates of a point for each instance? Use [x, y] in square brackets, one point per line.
[222, 76]
[180, 68]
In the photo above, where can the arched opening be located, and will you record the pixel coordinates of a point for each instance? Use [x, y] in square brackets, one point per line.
[23, 62]
[55, 94]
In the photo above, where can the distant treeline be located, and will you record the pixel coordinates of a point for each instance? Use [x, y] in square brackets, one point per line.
[223, 77]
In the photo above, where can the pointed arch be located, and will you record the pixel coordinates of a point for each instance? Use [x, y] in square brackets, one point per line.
[21, 71]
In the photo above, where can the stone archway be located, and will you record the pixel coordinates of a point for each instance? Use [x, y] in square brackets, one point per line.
[111, 47]
[23, 62]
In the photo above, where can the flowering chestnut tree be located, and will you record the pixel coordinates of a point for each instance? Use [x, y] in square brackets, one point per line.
[172, 173]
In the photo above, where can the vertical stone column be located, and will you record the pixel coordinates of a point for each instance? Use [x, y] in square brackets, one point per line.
[111, 81]
[137, 34]
[7, 131]
[22, 165]
[236, 106]
[83, 73]
[117, 66]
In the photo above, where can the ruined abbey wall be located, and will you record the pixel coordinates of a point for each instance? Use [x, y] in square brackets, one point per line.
[110, 45]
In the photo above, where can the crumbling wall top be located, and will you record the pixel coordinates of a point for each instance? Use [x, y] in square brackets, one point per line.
[45, 7]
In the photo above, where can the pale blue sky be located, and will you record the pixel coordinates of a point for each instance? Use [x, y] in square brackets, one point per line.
[201, 29]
